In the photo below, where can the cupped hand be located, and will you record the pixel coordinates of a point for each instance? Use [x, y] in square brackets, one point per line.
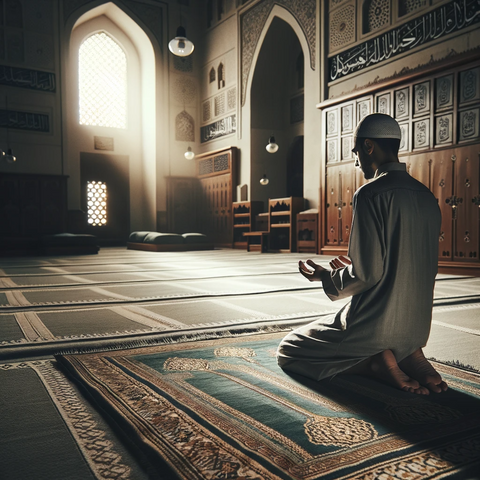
[310, 270]
[340, 262]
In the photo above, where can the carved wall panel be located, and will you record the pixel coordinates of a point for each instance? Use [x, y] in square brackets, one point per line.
[444, 129]
[364, 108]
[184, 127]
[421, 95]
[206, 111]
[347, 118]
[332, 151]
[184, 90]
[232, 98]
[342, 27]
[347, 147]
[402, 99]
[332, 122]
[376, 15]
[421, 134]
[383, 104]
[444, 92]
[405, 140]
[219, 104]
[469, 121]
[469, 85]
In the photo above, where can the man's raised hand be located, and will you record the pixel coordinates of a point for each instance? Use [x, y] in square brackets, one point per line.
[340, 262]
[310, 270]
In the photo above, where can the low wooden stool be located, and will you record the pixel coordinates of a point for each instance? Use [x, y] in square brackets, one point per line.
[261, 246]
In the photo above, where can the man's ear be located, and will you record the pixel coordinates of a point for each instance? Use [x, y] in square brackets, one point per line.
[368, 146]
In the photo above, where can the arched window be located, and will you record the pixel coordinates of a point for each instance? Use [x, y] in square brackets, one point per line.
[221, 76]
[212, 75]
[102, 72]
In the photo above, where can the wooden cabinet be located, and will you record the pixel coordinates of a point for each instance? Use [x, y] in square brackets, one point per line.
[282, 223]
[307, 232]
[244, 214]
[32, 205]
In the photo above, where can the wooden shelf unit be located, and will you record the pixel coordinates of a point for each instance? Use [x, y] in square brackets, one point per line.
[282, 220]
[307, 229]
[244, 214]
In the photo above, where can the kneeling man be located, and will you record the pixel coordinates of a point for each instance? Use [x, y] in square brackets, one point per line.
[389, 273]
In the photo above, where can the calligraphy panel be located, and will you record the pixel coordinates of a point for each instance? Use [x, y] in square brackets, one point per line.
[469, 85]
[402, 103]
[444, 129]
[364, 108]
[405, 140]
[383, 104]
[421, 134]
[444, 92]
[332, 123]
[421, 94]
[220, 128]
[468, 124]
[347, 118]
[347, 146]
[332, 151]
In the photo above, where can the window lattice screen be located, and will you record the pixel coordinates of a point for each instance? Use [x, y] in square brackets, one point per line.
[97, 203]
[102, 82]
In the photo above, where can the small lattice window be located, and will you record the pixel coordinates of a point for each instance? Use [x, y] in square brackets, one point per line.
[97, 203]
[102, 82]
[221, 76]
[212, 75]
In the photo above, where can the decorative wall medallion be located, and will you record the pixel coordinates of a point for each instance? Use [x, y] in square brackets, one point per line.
[449, 17]
[331, 151]
[297, 109]
[347, 145]
[401, 103]
[184, 90]
[421, 133]
[444, 129]
[36, 122]
[363, 109]
[444, 92]
[219, 104]
[26, 78]
[378, 14]
[332, 122]
[184, 127]
[220, 128]
[206, 111]
[347, 118]
[470, 85]
[468, 124]
[383, 104]
[253, 21]
[342, 27]
[421, 94]
[183, 64]
[404, 142]
[232, 98]
[103, 143]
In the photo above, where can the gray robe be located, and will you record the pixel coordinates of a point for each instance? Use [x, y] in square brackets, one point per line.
[394, 252]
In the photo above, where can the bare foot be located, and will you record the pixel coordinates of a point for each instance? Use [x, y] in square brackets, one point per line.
[419, 368]
[383, 366]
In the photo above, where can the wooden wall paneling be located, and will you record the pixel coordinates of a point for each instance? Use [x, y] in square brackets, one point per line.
[333, 192]
[420, 166]
[348, 175]
[466, 222]
[442, 187]
[182, 205]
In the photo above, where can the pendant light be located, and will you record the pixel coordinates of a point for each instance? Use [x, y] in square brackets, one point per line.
[264, 180]
[8, 155]
[181, 46]
[272, 147]
[189, 154]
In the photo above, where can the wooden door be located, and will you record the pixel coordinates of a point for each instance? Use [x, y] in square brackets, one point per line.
[333, 193]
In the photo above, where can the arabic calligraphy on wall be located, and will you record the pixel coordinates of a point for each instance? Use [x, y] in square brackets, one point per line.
[36, 122]
[26, 78]
[448, 18]
[218, 129]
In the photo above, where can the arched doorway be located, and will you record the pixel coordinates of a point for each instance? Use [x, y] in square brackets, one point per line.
[275, 87]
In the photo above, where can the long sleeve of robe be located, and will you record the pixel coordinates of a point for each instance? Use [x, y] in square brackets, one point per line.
[394, 252]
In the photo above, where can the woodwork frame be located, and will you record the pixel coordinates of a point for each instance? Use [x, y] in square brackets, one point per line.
[440, 118]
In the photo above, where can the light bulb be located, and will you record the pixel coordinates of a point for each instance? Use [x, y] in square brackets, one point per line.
[189, 155]
[264, 180]
[272, 147]
[181, 46]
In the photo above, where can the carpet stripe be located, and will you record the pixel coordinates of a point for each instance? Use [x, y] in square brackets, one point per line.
[456, 327]
[169, 322]
[17, 299]
[27, 328]
[7, 283]
[136, 317]
[102, 291]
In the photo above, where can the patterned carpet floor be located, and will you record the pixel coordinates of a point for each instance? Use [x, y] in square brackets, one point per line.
[173, 377]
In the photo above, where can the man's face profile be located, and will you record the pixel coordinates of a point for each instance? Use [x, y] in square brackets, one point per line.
[363, 160]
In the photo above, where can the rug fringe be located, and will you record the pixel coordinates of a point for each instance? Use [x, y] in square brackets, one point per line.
[193, 337]
[456, 364]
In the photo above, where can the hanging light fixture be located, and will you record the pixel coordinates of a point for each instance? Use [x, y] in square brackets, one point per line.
[8, 155]
[264, 180]
[189, 154]
[272, 147]
[181, 45]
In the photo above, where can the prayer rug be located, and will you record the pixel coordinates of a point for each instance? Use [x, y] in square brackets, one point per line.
[223, 409]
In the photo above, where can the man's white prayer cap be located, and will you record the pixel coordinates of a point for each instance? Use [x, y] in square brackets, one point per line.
[378, 125]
